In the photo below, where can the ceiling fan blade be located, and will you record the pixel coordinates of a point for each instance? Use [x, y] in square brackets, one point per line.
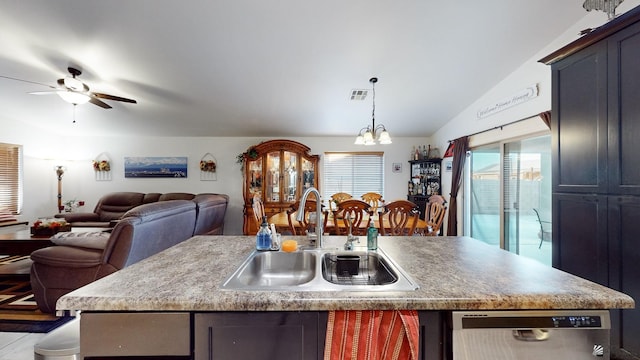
[43, 92]
[102, 104]
[112, 97]
[27, 81]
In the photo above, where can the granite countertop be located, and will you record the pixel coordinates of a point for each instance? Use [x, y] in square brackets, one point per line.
[454, 273]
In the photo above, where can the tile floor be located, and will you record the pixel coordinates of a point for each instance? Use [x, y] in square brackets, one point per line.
[18, 346]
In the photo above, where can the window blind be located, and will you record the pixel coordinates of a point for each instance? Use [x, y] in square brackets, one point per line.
[355, 173]
[11, 178]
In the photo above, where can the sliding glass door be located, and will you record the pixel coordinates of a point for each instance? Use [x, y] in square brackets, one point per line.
[510, 196]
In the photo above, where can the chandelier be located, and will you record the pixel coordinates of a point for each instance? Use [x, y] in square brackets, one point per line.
[368, 135]
[608, 6]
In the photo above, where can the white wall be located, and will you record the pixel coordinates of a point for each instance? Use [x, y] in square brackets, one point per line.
[531, 72]
[42, 153]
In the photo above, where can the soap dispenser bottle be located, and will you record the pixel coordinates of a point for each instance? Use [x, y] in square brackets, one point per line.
[372, 237]
[263, 238]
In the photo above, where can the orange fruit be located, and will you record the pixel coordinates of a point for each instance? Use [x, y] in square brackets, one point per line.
[289, 245]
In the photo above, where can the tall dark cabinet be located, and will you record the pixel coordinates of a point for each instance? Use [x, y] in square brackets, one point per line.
[595, 126]
[424, 182]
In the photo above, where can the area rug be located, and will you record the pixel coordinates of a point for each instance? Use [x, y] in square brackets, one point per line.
[18, 309]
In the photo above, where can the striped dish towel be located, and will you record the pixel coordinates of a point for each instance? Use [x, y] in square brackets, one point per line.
[372, 335]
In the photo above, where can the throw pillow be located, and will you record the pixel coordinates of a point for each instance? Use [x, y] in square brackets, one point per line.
[93, 240]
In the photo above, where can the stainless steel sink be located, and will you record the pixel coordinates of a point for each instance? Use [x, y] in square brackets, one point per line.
[273, 269]
[357, 268]
[319, 270]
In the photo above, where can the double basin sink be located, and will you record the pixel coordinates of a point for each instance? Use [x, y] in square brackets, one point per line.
[319, 270]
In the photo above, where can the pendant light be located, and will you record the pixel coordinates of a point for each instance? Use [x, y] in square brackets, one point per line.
[368, 135]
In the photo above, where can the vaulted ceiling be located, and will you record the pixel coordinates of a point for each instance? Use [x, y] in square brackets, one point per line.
[265, 68]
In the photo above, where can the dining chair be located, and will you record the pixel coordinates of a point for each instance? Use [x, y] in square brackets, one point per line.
[338, 198]
[435, 216]
[258, 210]
[300, 227]
[399, 218]
[357, 211]
[373, 199]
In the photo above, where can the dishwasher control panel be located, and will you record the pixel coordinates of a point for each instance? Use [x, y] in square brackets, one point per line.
[498, 321]
[542, 319]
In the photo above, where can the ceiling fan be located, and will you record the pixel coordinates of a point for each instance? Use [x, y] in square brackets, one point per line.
[74, 91]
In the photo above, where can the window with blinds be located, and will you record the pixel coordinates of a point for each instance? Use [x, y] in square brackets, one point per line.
[355, 173]
[11, 178]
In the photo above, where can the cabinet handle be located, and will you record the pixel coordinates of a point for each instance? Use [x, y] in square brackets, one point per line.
[531, 335]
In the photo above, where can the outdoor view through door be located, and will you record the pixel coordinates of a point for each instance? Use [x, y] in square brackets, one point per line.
[510, 196]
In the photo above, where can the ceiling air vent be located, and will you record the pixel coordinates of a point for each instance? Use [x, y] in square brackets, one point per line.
[359, 94]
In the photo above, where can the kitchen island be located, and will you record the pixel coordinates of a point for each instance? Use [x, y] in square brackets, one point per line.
[179, 291]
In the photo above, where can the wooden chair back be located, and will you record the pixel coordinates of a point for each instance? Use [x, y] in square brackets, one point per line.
[373, 199]
[300, 227]
[359, 213]
[258, 210]
[338, 198]
[399, 218]
[435, 216]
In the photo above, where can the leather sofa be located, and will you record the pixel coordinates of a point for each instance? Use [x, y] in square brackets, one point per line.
[141, 232]
[111, 207]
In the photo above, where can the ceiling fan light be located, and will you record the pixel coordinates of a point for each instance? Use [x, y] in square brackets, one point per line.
[73, 97]
[73, 84]
[384, 138]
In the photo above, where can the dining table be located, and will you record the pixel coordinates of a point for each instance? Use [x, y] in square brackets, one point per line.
[282, 223]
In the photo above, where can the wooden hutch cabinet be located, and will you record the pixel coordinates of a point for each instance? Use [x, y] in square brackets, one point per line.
[278, 171]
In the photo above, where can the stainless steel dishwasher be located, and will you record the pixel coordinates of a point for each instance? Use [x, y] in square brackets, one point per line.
[498, 335]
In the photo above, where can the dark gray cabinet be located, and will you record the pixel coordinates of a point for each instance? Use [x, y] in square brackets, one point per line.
[624, 111]
[579, 235]
[258, 335]
[595, 164]
[292, 335]
[579, 141]
[624, 265]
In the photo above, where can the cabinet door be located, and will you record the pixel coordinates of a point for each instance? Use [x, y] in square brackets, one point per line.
[624, 111]
[254, 177]
[579, 122]
[624, 260]
[579, 244]
[272, 178]
[257, 335]
[290, 175]
[308, 174]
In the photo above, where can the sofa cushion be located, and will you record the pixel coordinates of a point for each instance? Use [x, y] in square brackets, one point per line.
[176, 196]
[92, 240]
[112, 206]
[151, 198]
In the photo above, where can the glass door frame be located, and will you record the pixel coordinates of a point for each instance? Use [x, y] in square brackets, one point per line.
[467, 191]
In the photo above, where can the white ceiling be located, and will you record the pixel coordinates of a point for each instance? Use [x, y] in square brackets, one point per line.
[266, 68]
